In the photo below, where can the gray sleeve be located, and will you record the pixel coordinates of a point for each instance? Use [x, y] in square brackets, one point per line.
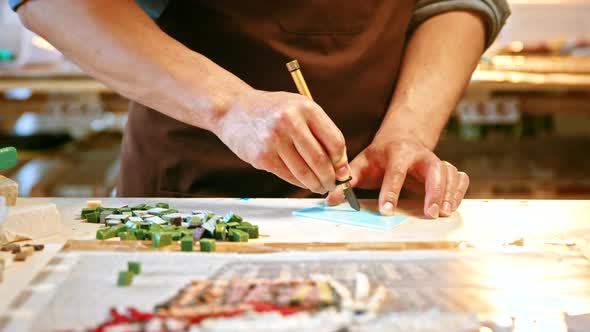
[494, 12]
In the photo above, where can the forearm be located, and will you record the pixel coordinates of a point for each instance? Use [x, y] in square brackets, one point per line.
[438, 62]
[118, 44]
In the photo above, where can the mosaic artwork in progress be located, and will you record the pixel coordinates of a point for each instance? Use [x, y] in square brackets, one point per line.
[409, 291]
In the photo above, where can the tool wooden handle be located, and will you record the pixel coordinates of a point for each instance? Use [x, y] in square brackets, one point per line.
[297, 76]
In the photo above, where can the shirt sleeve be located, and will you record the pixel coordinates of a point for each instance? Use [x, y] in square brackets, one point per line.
[494, 12]
[152, 7]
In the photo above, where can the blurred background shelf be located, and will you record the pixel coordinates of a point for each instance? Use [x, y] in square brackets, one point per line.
[521, 130]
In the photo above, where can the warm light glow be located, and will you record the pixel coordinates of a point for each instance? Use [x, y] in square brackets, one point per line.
[42, 43]
[533, 289]
[540, 323]
[516, 46]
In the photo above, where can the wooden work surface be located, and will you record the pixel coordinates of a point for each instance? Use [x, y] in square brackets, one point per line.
[478, 223]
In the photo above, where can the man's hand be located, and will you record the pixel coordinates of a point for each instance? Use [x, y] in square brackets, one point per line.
[286, 134]
[283, 133]
[435, 69]
[387, 164]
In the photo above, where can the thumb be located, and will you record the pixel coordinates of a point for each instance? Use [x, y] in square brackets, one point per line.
[336, 196]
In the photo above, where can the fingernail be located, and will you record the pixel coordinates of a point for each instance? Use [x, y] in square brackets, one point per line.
[433, 211]
[446, 208]
[387, 209]
[342, 173]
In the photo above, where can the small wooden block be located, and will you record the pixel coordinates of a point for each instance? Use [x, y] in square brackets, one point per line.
[176, 221]
[20, 257]
[36, 247]
[119, 229]
[127, 236]
[251, 230]
[198, 233]
[156, 220]
[207, 245]
[236, 235]
[120, 217]
[28, 250]
[30, 219]
[232, 217]
[176, 235]
[104, 233]
[139, 213]
[93, 204]
[209, 226]
[135, 219]
[8, 189]
[113, 222]
[195, 222]
[220, 232]
[125, 278]
[9, 247]
[156, 210]
[134, 267]
[161, 240]
[186, 243]
[138, 207]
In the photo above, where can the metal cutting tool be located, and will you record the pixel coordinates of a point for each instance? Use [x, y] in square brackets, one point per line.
[295, 70]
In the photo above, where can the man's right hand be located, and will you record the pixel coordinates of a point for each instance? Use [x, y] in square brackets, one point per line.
[286, 134]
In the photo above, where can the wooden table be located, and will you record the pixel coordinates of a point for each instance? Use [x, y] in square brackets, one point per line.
[480, 223]
[477, 222]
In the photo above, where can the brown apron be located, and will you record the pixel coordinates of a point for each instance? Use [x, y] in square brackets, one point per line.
[349, 51]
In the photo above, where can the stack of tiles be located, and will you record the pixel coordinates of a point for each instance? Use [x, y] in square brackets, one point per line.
[163, 225]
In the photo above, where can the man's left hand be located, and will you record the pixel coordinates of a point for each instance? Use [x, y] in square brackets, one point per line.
[388, 163]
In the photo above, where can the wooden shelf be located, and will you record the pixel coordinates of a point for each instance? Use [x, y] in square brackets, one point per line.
[483, 79]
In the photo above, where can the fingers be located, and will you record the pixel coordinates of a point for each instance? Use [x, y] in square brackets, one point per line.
[455, 184]
[316, 158]
[281, 170]
[450, 190]
[335, 196]
[299, 168]
[330, 137]
[435, 174]
[463, 184]
[300, 150]
[393, 180]
[357, 166]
